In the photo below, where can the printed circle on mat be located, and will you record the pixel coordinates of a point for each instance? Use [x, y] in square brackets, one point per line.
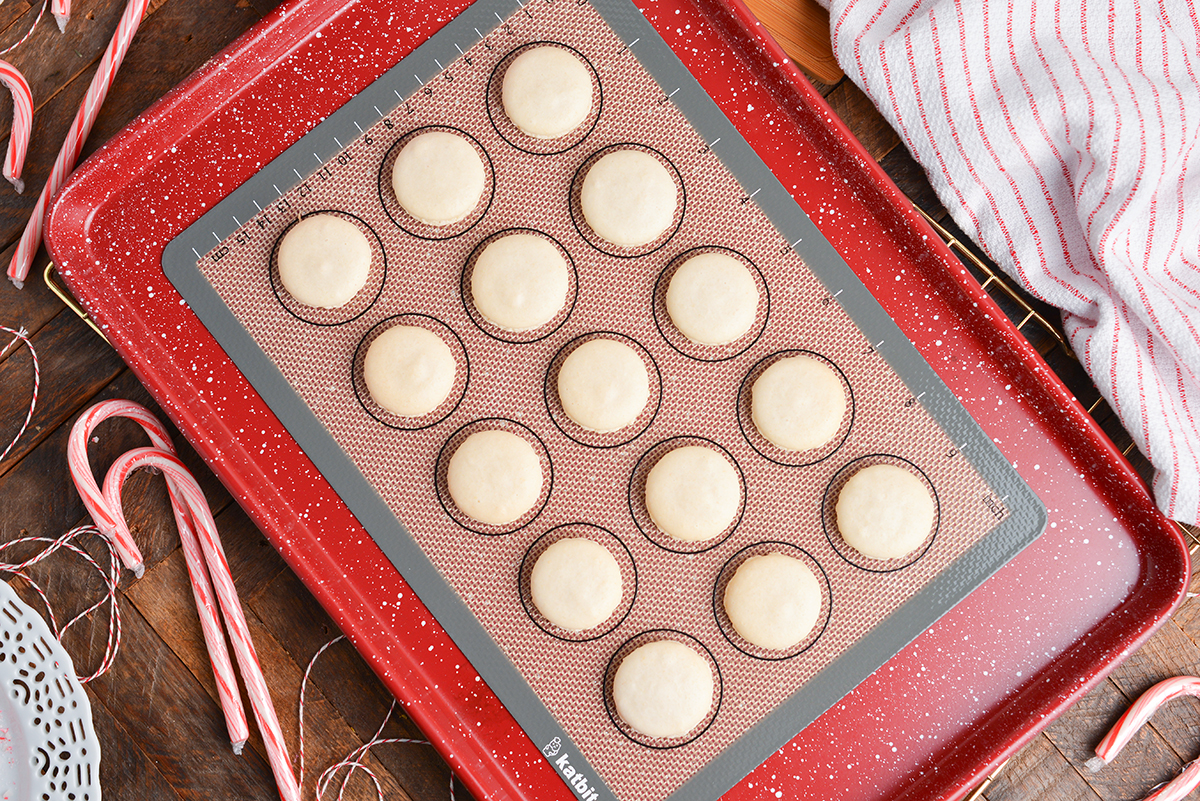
[760, 607]
[662, 688]
[581, 589]
[492, 477]
[687, 494]
[519, 277]
[394, 379]
[436, 182]
[789, 416]
[701, 301]
[884, 512]
[622, 201]
[324, 229]
[544, 97]
[603, 380]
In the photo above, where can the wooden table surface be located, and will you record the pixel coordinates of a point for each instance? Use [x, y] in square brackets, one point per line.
[160, 729]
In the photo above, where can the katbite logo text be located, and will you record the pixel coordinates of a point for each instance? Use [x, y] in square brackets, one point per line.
[577, 780]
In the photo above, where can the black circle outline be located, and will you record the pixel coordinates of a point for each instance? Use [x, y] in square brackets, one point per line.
[505, 61]
[610, 673]
[637, 466]
[583, 229]
[407, 135]
[679, 259]
[742, 424]
[437, 484]
[735, 639]
[601, 630]
[908, 560]
[470, 307]
[355, 359]
[570, 345]
[272, 259]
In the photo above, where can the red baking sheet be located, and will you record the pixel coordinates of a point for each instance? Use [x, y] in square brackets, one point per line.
[933, 720]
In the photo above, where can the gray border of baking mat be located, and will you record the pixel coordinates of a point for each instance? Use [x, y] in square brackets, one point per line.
[1026, 515]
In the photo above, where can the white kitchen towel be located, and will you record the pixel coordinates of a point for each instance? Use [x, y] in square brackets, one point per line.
[1064, 138]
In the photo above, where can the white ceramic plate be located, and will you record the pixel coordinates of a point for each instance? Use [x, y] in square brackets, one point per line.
[48, 748]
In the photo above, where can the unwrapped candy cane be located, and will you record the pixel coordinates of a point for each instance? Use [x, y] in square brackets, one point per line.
[1133, 720]
[62, 12]
[22, 124]
[235, 621]
[116, 532]
[22, 259]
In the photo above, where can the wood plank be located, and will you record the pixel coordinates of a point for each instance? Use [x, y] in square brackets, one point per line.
[1146, 761]
[154, 698]
[169, 45]
[1188, 616]
[859, 113]
[299, 624]
[37, 495]
[49, 59]
[1039, 772]
[67, 357]
[10, 17]
[164, 597]
[909, 176]
[126, 773]
[1168, 653]
[30, 308]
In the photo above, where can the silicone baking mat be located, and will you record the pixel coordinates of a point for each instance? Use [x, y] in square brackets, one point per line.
[304, 362]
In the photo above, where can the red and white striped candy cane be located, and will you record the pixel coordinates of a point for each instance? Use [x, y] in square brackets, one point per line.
[22, 124]
[1134, 718]
[22, 259]
[231, 608]
[62, 12]
[100, 510]
[85, 482]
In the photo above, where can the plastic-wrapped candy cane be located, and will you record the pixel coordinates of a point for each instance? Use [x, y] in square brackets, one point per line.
[22, 260]
[1134, 718]
[117, 533]
[235, 621]
[22, 124]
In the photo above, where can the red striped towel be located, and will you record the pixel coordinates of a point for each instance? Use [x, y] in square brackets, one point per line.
[1064, 138]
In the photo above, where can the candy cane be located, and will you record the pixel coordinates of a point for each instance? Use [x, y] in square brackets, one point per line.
[22, 259]
[1134, 718]
[62, 13]
[81, 472]
[231, 608]
[106, 522]
[22, 124]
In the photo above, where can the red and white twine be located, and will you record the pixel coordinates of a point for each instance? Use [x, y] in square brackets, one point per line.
[110, 578]
[21, 335]
[356, 759]
[29, 32]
